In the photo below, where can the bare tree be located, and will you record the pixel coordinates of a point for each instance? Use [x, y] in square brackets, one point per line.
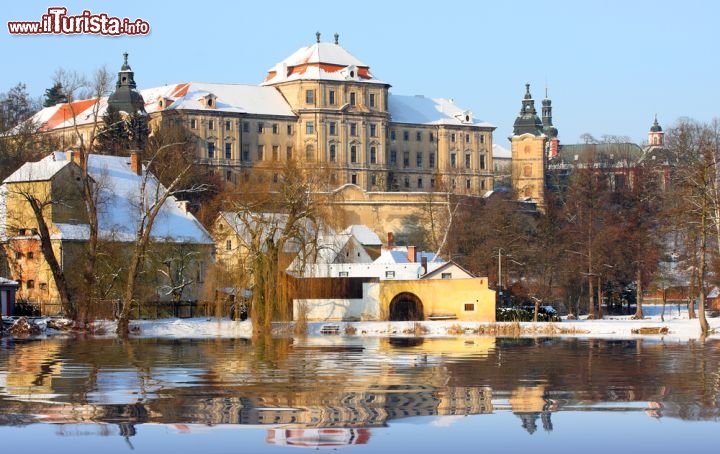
[149, 200]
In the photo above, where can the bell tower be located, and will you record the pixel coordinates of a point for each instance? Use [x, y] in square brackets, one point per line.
[528, 153]
[656, 135]
[126, 98]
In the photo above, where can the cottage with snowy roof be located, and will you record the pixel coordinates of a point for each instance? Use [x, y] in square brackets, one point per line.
[180, 244]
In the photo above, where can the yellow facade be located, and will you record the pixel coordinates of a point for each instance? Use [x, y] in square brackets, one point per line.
[457, 299]
[528, 167]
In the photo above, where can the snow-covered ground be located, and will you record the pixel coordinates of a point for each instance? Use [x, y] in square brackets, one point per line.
[679, 327]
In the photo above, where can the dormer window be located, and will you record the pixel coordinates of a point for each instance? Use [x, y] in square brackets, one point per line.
[465, 117]
[209, 101]
[350, 72]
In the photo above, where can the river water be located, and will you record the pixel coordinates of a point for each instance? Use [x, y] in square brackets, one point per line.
[465, 394]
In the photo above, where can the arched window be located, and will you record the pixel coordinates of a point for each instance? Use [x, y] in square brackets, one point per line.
[310, 152]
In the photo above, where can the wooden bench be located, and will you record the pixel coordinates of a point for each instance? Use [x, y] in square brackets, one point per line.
[442, 317]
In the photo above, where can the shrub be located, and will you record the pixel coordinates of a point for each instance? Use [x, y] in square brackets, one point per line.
[525, 314]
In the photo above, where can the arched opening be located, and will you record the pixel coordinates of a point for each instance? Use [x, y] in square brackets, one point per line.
[406, 307]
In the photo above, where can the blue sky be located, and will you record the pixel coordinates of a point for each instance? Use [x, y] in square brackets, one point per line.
[609, 66]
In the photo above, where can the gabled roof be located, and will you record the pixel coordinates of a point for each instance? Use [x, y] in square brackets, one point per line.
[120, 191]
[430, 111]
[364, 235]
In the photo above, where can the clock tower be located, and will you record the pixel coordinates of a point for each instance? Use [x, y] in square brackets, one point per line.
[528, 154]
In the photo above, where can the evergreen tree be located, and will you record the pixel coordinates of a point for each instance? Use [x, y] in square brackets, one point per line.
[112, 138]
[55, 95]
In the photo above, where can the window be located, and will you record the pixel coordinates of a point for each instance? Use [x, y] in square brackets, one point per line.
[228, 125]
[482, 184]
[211, 124]
[310, 152]
[211, 150]
[452, 160]
[245, 153]
[331, 97]
[353, 129]
[467, 161]
[482, 138]
[467, 138]
[419, 183]
[309, 127]
[432, 137]
[30, 255]
[446, 275]
[406, 182]
[228, 245]
[332, 128]
[228, 175]
[352, 98]
[353, 154]
[275, 178]
[260, 128]
[275, 128]
[193, 123]
[406, 159]
[372, 99]
[309, 96]
[418, 159]
[418, 136]
[289, 153]
[373, 130]
[373, 179]
[406, 136]
[392, 135]
[482, 162]
[260, 152]
[353, 178]
[452, 137]
[469, 307]
[389, 274]
[30, 283]
[246, 126]
[228, 150]
[43, 286]
[289, 130]
[332, 152]
[431, 160]
[467, 184]
[373, 155]
[18, 255]
[393, 157]
[343, 274]
[432, 182]
[275, 152]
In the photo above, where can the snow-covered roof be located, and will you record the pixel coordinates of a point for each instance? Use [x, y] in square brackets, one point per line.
[419, 109]
[320, 61]
[8, 282]
[238, 98]
[399, 254]
[500, 152]
[118, 215]
[364, 235]
[42, 170]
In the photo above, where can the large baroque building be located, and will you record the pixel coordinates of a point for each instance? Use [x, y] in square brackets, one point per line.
[321, 107]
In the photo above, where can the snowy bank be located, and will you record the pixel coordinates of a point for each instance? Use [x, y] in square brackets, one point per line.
[676, 326]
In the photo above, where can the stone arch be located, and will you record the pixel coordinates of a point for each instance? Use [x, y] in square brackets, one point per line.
[406, 306]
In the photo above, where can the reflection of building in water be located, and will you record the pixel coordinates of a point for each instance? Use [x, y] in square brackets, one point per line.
[318, 438]
[529, 403]
[372, 408]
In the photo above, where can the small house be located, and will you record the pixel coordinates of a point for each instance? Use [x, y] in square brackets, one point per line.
[7, 296]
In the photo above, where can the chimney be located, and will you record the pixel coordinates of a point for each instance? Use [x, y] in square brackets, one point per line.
[423, 262]
[135, 163]
[391, 240]
[411, 254]
[73, 156]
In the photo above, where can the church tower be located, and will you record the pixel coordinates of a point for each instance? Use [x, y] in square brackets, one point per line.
[550, 131]
[656, 135]
[126, 98]
[528, 152]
